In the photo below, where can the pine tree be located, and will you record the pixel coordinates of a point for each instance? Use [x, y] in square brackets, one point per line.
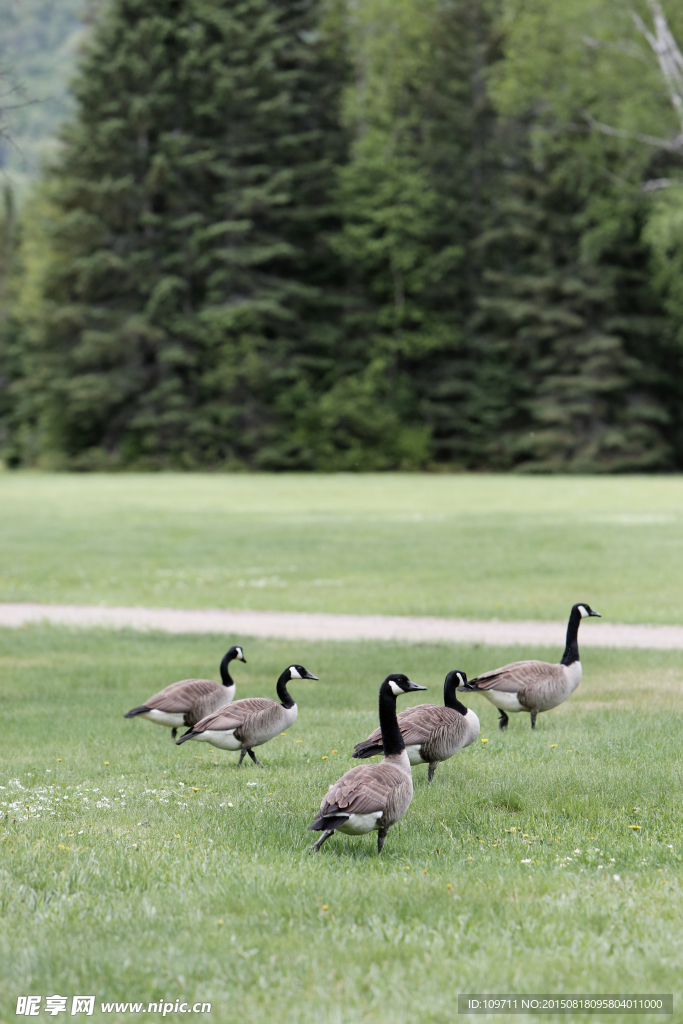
[569, 339]
[188, 311]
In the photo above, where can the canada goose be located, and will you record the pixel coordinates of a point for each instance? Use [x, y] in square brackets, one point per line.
[535, 685]
[372, 796]
[188, 701]
[431, 733]
[250, 723]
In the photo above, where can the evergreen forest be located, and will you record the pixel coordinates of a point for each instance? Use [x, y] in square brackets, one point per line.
[353, 235]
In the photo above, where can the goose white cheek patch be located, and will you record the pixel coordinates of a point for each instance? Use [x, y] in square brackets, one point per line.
[294, 673]
[584, 613]
[395, 688]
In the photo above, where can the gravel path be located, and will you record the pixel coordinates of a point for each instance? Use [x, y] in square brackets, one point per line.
[311, 626]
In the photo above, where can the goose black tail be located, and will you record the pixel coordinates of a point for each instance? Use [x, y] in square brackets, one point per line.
[368, 749]
[321, 824]
[186, 736]
[137, 711]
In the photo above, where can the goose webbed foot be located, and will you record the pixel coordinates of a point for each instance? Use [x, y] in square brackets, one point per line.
[381, 836]
[432, 768]
[533, 719]
[254, 758]
[174, 732]
[326, 835]
[503, 720]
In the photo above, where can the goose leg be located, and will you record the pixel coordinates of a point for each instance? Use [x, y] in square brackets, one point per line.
[253, 756]
[326, 835]
[503, 720]
[533, 719]
[174, 732]
[381, 836]
[432, 768]
[242, 753]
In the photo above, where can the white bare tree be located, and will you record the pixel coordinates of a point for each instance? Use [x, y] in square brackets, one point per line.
[668, 53]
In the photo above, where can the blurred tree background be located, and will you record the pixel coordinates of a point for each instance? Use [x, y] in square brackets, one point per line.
[345, 234]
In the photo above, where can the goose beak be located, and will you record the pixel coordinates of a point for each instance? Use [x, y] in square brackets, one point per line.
[242, 659]
[597, 615]
[415, 686]
[310, 676]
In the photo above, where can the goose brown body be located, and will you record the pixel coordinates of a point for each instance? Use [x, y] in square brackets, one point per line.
[431, 733]
[189, 700]
[536, 686]
[372, 797]
[245, 723]
[382, 790]
[251, 722]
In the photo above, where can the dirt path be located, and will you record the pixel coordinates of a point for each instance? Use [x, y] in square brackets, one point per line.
[309, 626]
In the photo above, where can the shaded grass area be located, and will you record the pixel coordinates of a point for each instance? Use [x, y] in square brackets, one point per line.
[133, 869]
[479, 546]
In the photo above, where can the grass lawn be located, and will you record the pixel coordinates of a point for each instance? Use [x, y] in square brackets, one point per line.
[136, 870]
[480, 546]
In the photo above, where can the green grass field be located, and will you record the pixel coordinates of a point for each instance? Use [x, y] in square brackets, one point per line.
[479, 546]
[136, 870]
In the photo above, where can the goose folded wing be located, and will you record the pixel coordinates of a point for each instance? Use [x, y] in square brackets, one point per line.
[418, 724]
[415, 724]
[362, 790]
[177, 696]
[235, 714]
[516, 676]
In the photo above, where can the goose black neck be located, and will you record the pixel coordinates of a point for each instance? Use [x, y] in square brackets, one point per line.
[449, 698]
[392, 741]
[225, 675]
[283, 692]
[571, 651]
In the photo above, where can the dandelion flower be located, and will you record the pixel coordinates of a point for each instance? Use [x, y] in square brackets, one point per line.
[449, 886]
[484, 739]
[324, 758]
[634, 826]
[195, 789]
[106, 762]
[553, 744]
[59, 759]
[334, 751]
[221, 921]
[424, 871]
[469, 858]
[325, 906]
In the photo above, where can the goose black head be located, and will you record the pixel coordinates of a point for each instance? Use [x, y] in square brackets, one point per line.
[298, 672]
[236, 654]
[585, 611]
[456, 679]
[398, 683]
